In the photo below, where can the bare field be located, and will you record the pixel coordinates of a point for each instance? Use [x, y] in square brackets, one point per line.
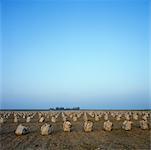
[77, 139]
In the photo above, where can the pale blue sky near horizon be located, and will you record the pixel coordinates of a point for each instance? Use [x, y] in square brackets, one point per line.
[91, 54]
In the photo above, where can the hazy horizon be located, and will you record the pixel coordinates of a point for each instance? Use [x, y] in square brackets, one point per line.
[91, 54]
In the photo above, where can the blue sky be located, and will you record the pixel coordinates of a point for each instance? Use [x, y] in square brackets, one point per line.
[92, 54]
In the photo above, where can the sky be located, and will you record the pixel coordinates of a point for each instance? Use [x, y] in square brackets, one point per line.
[88, 53]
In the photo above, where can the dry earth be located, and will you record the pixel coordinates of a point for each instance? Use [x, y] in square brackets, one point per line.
[77, 139]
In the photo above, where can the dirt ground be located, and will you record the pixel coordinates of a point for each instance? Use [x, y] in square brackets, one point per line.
[77, 139]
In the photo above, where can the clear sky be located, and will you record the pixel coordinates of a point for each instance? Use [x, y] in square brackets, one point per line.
[87, 53]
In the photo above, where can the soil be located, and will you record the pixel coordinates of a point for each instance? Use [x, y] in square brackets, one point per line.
[77, 139]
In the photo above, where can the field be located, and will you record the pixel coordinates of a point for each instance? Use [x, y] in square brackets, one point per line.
[77, 139]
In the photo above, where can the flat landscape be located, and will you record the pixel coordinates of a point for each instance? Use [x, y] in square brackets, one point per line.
[77, 139]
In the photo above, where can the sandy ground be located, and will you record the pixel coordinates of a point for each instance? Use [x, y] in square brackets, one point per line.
[77, 139]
